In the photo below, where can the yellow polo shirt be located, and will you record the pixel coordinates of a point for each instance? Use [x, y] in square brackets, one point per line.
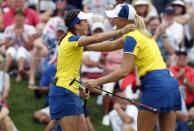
[68, 62]
[146, 52]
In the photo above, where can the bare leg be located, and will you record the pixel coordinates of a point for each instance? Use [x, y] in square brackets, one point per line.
[167, 121]
[8, 62]
[41, 117]
[73, 123]
[50, 125]
[89, 124]
[146, 120]
[35, 59]
[21, 64]
[7, 124]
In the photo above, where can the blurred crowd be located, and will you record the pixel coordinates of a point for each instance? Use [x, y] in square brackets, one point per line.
[30, 31]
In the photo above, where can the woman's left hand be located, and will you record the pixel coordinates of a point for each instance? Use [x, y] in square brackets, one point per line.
[128, 28]
[84, 94]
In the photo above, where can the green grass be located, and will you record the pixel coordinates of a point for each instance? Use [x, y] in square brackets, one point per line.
[23, 104]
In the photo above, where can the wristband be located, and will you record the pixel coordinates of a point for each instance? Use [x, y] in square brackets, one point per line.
[120, 32]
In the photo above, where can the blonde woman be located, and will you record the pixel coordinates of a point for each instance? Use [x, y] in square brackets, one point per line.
[64, 102]
[159, 88]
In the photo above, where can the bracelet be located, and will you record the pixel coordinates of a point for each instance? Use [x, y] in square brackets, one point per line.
[120, 32]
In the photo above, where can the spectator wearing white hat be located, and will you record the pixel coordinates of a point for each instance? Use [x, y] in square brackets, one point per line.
[185, 18]
[145, 9]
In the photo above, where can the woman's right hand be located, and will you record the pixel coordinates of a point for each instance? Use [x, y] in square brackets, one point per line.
[127, 28]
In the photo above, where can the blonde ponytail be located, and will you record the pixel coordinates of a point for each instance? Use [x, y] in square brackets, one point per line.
[138, 21]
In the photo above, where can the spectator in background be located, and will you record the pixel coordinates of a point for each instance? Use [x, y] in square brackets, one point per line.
[19, 43]
[157, 29]
[31, 18]
[173, 29]
[46, 5]
[5, 83]
[182, 72]
[145, 9]
[123, 117]
[44, 52]
[184, 18]
[6, 123]
[6, 5]
[182, 118]
[43, 115]
[61, 7]
[185, 75]
[161, 4]
[97, 6]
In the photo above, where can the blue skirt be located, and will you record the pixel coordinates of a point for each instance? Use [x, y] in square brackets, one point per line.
[63, 102]
[161, 91]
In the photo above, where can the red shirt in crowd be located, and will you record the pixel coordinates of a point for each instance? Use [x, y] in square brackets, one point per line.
[32, 17]
[189, 75]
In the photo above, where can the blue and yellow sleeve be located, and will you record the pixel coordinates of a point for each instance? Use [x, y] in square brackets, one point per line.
[74, 38]
[130, 46]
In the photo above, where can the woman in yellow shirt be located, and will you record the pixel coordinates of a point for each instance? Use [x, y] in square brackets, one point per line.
[159, 88]
[64, 102]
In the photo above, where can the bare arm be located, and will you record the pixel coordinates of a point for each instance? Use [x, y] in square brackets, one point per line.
[29, 42]
[6, 87]
[126, 66]
[168, 47]
[104, 36]
[8, 43]
[183, 19]
[183, 116]
[106, 45]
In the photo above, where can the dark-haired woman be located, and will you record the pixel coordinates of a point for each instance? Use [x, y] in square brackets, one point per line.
[64, 101]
